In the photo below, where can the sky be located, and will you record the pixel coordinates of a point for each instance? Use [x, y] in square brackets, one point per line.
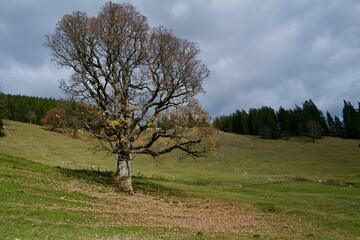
[260, 52]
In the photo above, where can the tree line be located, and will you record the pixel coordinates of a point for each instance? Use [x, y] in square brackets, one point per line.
[1, 122]
[56, 114]
[306, 120]
[25, 108]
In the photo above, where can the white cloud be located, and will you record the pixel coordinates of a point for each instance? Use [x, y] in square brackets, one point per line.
[27, 80]
[274, 52]
[179, 9]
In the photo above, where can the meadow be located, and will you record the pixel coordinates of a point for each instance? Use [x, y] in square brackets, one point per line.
[56, 187]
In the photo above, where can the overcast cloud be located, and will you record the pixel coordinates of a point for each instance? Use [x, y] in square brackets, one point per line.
[260, 53]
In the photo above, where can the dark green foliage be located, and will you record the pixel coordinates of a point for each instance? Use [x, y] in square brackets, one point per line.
[312, 114]
[339, 127]
[263, 123]
[296, 122]
[351, 117]
[237, 122]
[2, 133]
[335, 126]
[283, 119]
[330, 123]
[310, 121]
[26, 109]
[260, 122]
[266, 123]
[306, 120]
[223, 123]
[33, 110]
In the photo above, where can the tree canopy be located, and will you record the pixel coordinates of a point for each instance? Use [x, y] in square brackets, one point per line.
[128, 75]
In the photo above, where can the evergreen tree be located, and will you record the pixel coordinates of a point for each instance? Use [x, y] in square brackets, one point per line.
[228, 124]
[216, 122]
[253, 121]
[224, 123]
[2, 133]
[244, 122]
[351, 118]
[236, 122]
[307, 120]
[268, 126]
[263, 123]
[283, 119]
[297, 122]
[330, 123]
[338, 127]
[25, 108]
[311, 113]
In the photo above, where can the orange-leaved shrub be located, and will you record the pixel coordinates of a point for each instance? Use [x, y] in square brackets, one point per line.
[55, 119]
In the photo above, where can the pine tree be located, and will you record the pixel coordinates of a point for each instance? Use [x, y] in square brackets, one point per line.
[2, 133]
[236, 122]
[339, 127]
[330, 123]
[263, 123]
[297, 121]
[245, 122]
[311, 113]
[351, 118]
[253, 121]
[283, 119]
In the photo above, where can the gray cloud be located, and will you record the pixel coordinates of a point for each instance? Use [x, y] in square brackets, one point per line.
[260, 53]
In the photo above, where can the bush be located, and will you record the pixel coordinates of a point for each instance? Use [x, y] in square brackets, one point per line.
[55, 119]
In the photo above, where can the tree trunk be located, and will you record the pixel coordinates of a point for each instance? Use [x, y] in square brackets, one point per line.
[123, 173]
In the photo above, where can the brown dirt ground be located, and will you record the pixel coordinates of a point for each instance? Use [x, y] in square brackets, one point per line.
[211, 216]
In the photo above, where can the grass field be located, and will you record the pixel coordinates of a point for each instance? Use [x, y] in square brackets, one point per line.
[54, 187]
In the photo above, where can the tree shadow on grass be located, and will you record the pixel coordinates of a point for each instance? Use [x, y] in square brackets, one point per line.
[90, 176]
[153, 186]
[147, 185]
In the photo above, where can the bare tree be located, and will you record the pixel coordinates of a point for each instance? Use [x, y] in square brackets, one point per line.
[31, 117]
[314, 129]
[129, 76]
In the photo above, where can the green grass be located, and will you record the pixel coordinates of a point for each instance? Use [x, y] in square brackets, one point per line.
[28, 203]
[36, 202]
[34, 143]
[249, 160]
[316, 185]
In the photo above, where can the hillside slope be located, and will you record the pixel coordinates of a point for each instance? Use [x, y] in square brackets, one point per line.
[35, 143]
[249, 187]
[239, 159]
